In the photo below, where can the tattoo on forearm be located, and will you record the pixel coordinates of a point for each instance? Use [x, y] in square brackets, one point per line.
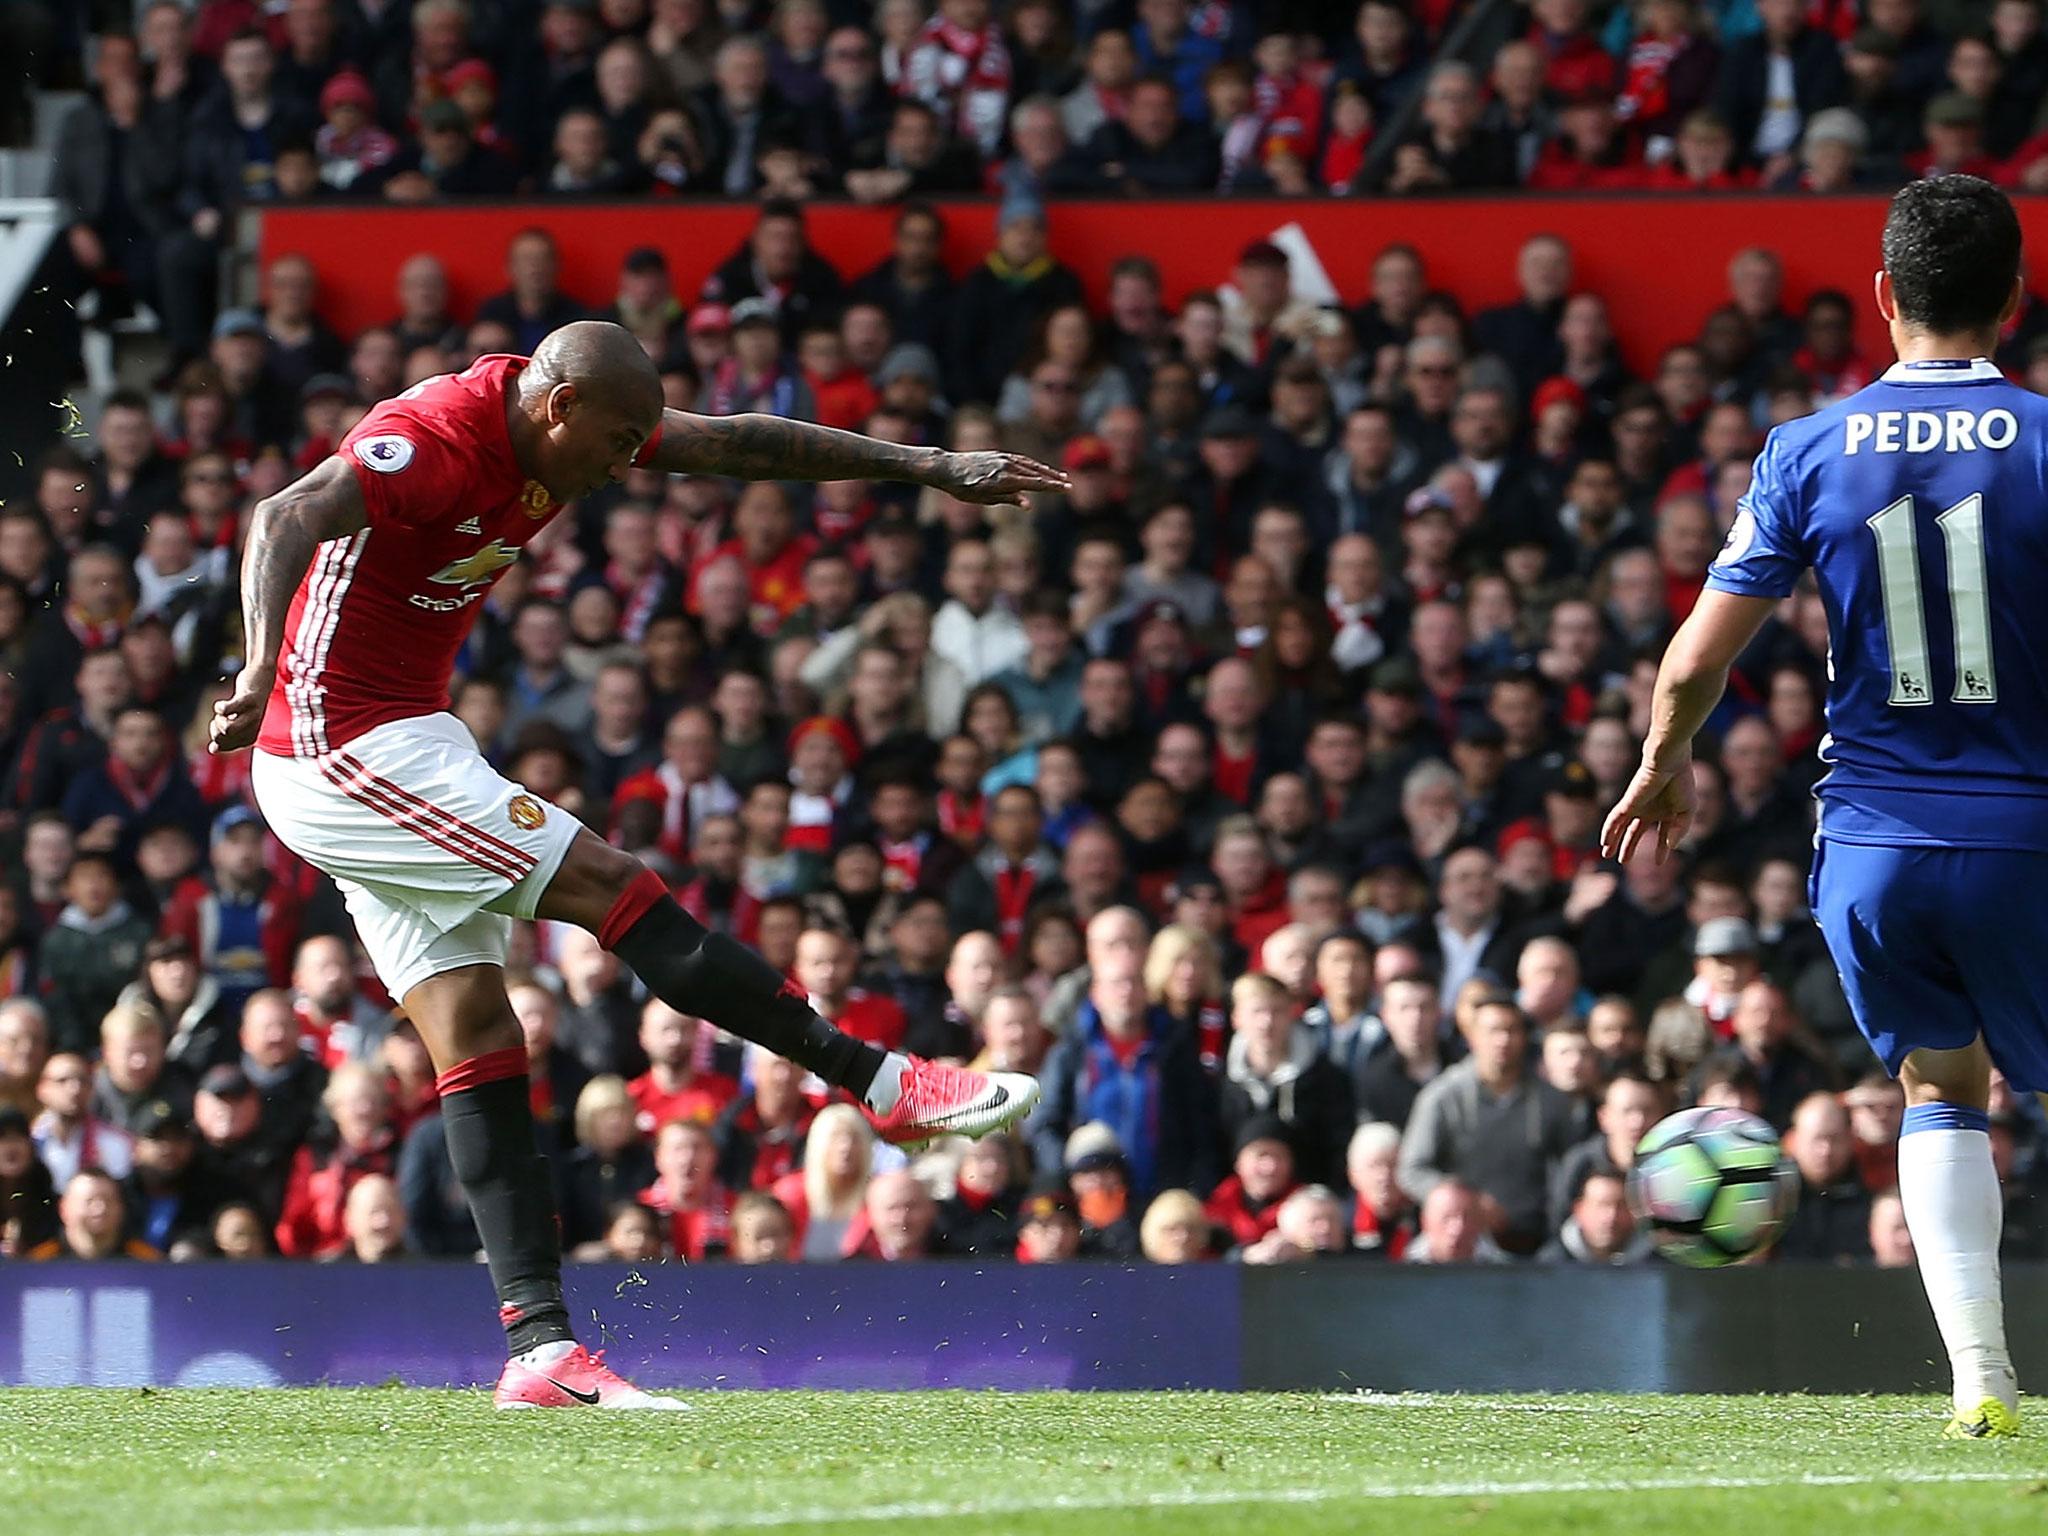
[760, 447]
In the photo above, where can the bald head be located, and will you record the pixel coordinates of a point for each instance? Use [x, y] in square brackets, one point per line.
[605, 362]
[587, 402]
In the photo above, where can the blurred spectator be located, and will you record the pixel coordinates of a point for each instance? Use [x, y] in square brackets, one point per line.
[1891, 1244]
[898, 1221]
[1048, 1226]
[287, 1079]
[1383, 1218]
[1245, 1206]
[1275, 1069]
[762, 1231]
[24, 1047]
[823, 1196]
[1601, 1228]
[134, 1075]
[1127, 1065]
[356, 1142]
[91, 953]
[1832, 1220]
[1773, 80]
[1453, 1228]
[92, 1222]
[610, 1162]
[688, 1192]
[172, 1196]
[762, 1134]
[373, 1222]
[531, 304]
[1488, 1122]
[68, 1136]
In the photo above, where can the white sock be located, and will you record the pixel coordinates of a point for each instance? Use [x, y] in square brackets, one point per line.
[1950, 1194]
[887, 1087]
[545, 1354]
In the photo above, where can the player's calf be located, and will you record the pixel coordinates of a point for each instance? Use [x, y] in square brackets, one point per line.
[1948, 1188]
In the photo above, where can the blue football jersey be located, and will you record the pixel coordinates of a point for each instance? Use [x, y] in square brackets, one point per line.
[1921, 504]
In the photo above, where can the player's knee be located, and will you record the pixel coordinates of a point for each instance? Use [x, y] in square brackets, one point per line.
[592, 877]
[1948, 1077]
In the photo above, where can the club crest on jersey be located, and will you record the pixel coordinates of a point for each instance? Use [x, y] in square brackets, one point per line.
[524, 812]
[535, 499]
[387, 455]
[473, 568]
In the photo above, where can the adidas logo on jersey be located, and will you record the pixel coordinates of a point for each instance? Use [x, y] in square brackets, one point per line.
[469, 525]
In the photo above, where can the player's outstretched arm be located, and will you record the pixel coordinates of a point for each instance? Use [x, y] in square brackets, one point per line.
[284, 530]
[760, 447]
[1659, 799]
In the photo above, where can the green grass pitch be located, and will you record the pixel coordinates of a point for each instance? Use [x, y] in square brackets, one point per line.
[396, 1462]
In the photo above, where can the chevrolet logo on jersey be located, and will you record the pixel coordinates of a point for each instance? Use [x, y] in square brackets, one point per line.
[481, 566]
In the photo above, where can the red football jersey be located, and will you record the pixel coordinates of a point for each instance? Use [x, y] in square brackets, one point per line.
[375, 626]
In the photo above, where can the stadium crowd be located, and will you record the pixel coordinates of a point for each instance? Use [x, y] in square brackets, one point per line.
[202, 109]
[1247, 794]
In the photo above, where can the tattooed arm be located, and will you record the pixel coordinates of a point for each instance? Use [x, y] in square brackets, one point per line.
[284, 530]
[760, 447]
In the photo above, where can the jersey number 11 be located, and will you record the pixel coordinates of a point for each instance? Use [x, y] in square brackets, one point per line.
[1905, 616]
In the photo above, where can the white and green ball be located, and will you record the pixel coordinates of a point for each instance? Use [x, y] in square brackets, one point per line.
[1713, 1185]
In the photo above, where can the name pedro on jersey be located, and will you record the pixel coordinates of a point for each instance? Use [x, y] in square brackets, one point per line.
[1928, 431]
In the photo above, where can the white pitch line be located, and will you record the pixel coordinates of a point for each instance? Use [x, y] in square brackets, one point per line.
[649, 1525]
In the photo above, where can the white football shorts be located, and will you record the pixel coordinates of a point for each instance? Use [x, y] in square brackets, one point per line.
[434, 851]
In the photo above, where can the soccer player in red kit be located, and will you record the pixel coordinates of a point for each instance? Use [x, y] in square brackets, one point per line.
[359, 584]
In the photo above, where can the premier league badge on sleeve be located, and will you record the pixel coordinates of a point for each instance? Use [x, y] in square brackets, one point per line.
[387, 455]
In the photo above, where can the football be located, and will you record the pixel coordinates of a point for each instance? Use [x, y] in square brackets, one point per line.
[1713, 1185]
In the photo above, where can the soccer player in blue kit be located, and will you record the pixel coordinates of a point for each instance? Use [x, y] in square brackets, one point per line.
[1921, 506]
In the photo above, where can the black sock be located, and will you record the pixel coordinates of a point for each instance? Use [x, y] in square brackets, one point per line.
[489, 1130]
[697, 971]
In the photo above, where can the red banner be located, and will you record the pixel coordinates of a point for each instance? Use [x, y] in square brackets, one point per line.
[1661, 262]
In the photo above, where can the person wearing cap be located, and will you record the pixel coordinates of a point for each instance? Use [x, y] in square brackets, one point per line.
[1762, 121]
[1245, 1206]
[646, 304]
[227, 1113]
[349, 141]
[239, 921]
[171, 1196]
[1492, 1123]
[1830, 153]
[1003, 300]
[1954, 124]
[1726, 958]
[758, 376]
[1048, 1223]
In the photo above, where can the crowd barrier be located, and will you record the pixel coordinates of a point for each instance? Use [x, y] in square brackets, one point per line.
[1660, 261]
[1340, 1327]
